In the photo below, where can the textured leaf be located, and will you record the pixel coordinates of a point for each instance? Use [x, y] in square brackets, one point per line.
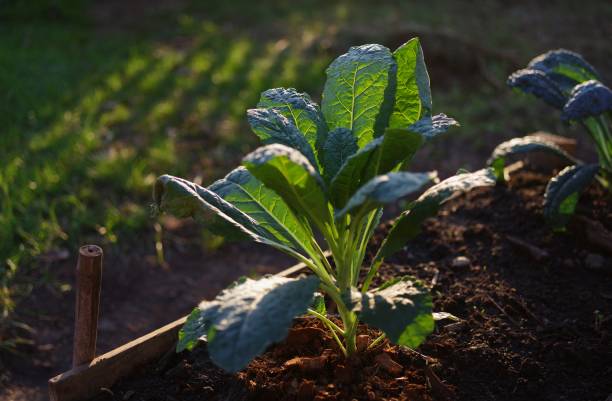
[359, 91]
[252, 197]
[186, 199]
[564, 67]
[460, 183]
[382, 155]
[385, 189]
[589, 99]
[248, 317]
[340, 144]
[288, 173]
[408, 225]
[413, 95]
[301, 111]
[353, 172]
[273, 127]
[538, 84]
[398, 146]
[430, 127]
[402, 310]
[196, 327]
[318, 305]
[527, 144]
[568, 184]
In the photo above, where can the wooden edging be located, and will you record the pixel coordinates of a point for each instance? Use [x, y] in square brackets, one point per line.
[86, 381]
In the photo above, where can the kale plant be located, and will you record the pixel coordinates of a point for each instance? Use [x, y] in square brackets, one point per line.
[564, 80]
[325, 173]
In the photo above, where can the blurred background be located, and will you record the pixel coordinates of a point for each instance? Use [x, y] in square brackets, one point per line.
[99, 98]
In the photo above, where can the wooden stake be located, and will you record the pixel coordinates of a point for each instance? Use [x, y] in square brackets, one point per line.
[88, 281]
[85, 381]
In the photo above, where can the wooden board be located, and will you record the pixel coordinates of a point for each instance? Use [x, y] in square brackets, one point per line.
[84, 382]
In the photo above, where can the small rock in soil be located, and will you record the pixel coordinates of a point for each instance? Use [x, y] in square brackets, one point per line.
[460, 262]
[392, 367]
[362, 342]
[307, 364]
[304, 336]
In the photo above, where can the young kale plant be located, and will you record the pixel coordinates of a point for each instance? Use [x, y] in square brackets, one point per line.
[564, 80]
[328, 170]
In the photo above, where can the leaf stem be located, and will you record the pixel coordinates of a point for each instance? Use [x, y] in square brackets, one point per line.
[377, 341]
[326, 320]
[342, 348]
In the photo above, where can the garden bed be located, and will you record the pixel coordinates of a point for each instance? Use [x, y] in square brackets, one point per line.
[535, 310]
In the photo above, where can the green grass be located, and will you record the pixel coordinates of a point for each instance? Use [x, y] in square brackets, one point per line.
[92, 109]
[92, 118]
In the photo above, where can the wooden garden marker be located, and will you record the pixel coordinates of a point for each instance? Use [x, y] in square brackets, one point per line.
[88, 281]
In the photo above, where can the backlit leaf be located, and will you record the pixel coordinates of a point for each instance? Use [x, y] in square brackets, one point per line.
[384, 189]
[563, 190]
[273, 127]
[413, 95]
[288, 173]
[301, 110]
[359, 91]
[564, 67]
[253, 198]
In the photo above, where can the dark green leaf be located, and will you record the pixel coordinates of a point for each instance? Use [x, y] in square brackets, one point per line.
[299, 109]
[196, 327]
[318, 305]
[186, 199]
[564, 67]
[408, 225]
[563, 190]
[384, 189]
[359, 91]
[288, 173]
[273, 127]
[589, 99]
[430, 127]
[340, 144]
[253, 198]
[413, 96]
[398, 146]
[460, 183]
[382, 155]
[353, 172]
[402, 310]
[527, 144]
[536, 82]
[248, 317]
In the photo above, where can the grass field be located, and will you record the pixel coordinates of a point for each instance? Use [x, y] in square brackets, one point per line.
[96, 100]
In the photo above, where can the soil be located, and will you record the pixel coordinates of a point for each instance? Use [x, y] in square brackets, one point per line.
[535, 309]
[138, 295]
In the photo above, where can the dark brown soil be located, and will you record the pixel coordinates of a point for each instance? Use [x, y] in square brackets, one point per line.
[138, 296]
[536, 319]
[307, 365]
